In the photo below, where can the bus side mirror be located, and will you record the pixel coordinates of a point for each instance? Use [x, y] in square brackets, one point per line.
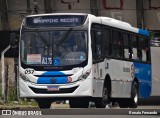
[13, 39]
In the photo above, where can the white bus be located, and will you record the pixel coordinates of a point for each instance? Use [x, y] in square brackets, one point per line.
[81, 58]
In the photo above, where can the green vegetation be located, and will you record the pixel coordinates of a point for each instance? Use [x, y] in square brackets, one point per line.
[13, 102]
[12, 94]
[22, 102]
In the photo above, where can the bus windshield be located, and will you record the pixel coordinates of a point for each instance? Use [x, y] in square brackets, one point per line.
[53, 48]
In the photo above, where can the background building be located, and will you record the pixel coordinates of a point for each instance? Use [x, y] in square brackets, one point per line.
[139, 13]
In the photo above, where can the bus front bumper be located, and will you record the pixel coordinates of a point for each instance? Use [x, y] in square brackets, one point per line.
[77, 89]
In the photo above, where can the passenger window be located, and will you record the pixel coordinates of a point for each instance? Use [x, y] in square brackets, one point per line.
[125, 38]
[96, 42]
[134, 45]
[96, 36]
[117, 44]
[106, 42]
[143, 48]
[116, 37]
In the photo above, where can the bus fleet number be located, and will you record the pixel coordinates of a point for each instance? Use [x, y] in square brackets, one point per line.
[29, 71]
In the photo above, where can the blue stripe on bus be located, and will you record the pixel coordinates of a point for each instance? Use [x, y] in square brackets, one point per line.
[47, 80]
[143, 74]
[143, 32]
[54, 73]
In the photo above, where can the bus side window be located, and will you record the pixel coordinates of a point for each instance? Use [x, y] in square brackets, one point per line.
[117, 44]
[125, 37]
[93, 43]
[134, 46]
[106, 42]
[96, 37]
[143, 48]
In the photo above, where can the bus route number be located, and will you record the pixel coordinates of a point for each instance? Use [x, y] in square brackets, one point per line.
[29, 71]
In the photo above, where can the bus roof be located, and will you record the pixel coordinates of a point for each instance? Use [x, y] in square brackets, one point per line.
[122, 25]
[104, 20]
[56, 14]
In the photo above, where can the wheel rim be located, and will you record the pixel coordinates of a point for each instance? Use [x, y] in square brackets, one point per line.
[105, 96]
[135, 96]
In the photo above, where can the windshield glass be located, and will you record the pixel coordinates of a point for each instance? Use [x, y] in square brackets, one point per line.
[54, 48]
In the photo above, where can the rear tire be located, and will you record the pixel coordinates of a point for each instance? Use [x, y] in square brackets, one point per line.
[79, 103]
[133, 101]
[124, 103]
[134, 96]
[44, 103]
[104, 100]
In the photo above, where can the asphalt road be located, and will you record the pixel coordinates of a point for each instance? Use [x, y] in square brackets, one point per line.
[151, 103]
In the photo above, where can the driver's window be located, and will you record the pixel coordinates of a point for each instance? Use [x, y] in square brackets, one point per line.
[96, 36]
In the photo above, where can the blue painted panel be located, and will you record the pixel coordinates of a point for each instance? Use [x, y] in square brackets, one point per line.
[144, 74]
[143, 32]
[47, 80]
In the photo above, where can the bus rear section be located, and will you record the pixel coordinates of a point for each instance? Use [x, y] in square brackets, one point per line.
[121, 63]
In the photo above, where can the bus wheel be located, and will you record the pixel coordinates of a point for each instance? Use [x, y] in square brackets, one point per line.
[124, 103]
[104, 100]
[79, 103]
[44, 103]
[134, 96]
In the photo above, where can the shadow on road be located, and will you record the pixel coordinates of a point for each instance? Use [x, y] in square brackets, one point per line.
[153, 100]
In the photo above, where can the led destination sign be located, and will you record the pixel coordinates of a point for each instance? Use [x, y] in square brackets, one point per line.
[55, 21]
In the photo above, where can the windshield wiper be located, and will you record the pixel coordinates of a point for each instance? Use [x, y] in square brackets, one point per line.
[64, 37]
[43, 39]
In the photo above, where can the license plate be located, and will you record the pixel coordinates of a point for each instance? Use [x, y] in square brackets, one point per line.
[53, 88]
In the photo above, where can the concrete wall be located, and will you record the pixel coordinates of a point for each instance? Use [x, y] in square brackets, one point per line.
[125, 11]
[111, 8]
[10, 79]
[9, 66]
[152, 14]
[79, 6]
[120, 9]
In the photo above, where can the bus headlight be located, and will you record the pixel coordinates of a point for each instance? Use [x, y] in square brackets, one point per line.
[24, 77]
[85, 75]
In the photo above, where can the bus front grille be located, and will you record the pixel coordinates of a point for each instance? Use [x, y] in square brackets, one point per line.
[61, 91]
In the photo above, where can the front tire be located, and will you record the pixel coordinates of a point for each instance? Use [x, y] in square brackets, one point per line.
[44, 103]
[104, 100]
[79, 103]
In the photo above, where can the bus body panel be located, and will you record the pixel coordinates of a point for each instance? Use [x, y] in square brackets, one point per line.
[84, 90]
[120, 75]
[34, 90]
[35, 87]
[143, 74]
